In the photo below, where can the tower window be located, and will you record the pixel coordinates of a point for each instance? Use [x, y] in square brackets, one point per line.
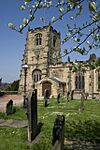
[54, 41]
[38, 39]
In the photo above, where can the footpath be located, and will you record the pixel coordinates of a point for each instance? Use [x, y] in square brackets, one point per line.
[13, 123]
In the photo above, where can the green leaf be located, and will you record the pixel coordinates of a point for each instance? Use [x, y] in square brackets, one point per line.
[20, 27]
[76, 39]
[69, 35]
[74, 67]
[71, 6]
[65, 39]
[92, 6]
[61, 9]
[25, 21]
[72, 18]
[68, 26]
[30, 11]
[65, 51]
[70, 30]
[32, 18]
[60, 17]
[53, 19]
[22, 7]
[70, 1]
[27, 0]
[82, 51]
[33, 6]
[11, 25]
[90, 46]
[96, 17]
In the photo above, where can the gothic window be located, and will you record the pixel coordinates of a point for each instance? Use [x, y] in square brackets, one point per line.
[54, 41]
[98, 80]
[79, 81]
[36, 75]
[38, 39]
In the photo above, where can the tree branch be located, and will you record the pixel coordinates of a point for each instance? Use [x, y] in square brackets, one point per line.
[88, 25]
[20, 31]
[67, 11]
[75, 49]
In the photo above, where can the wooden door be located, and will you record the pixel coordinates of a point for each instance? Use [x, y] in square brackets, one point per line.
[46, 86]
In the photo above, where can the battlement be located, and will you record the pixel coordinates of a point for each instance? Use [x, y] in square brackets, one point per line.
[44, 28]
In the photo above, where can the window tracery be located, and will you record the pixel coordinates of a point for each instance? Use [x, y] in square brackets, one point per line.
[38, 39]
[79, 81]
[36, 75]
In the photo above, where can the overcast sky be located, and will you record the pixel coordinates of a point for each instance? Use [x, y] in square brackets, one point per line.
[12, 44]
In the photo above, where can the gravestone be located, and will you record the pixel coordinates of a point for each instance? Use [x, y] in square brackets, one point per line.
[82, 100]
[58, 133]
[68, 94]
[86, 95]
[25, 102]
[26, 106]
[72, 94]
[9, 107]
[32, 115]
[46, 96]
[58, 98]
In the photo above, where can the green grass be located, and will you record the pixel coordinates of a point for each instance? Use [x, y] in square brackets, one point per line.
[80, 126]
[18, 115]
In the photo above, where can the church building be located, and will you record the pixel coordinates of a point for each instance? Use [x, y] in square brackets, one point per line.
[46, 71]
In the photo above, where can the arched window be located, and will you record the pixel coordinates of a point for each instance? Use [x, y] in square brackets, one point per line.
[36, 75]
[97, 71]
[79, 81]
[54, 41]
[99, 80]
[38, 39]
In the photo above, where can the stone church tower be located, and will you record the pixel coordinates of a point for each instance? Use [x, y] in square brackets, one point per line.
[42, 49]
[45, 71]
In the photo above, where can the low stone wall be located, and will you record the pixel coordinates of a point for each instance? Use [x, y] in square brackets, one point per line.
[17, 99]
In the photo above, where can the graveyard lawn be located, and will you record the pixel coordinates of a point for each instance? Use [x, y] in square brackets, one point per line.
[81, 128]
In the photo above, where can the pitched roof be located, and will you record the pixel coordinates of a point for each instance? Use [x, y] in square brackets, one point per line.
[50, 79]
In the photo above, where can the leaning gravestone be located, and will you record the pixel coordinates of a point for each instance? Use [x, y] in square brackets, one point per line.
[32, 116]
[9, 107]
[58, 133]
